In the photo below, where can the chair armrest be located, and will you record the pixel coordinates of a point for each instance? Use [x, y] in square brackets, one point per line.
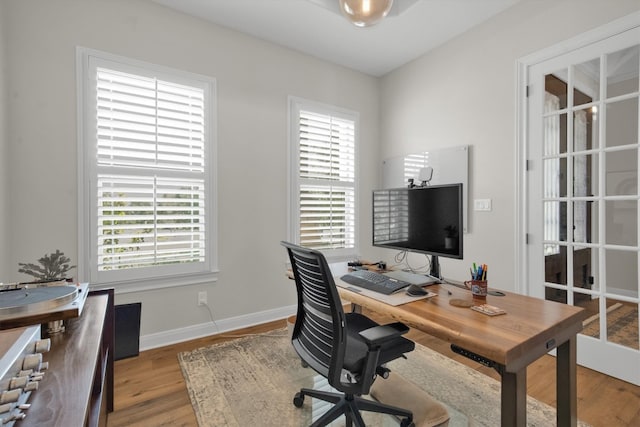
[377, 335]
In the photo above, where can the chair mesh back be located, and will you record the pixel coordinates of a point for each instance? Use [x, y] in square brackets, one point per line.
[318, 333]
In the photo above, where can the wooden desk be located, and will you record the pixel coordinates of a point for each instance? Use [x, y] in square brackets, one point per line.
[529, 330]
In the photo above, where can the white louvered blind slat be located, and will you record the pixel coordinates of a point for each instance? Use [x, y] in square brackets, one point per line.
[327, 181]
[151, 163]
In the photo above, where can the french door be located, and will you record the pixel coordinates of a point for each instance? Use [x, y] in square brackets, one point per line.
[582, 204]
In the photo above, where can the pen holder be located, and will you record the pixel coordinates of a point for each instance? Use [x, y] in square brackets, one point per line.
[478, 288]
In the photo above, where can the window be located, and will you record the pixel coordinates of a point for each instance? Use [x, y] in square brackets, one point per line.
[146, 199]
[323, 189]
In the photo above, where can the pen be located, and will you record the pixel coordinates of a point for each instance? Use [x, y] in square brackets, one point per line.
[479, 272]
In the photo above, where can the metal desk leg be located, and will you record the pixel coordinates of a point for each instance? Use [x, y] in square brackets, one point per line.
[514, 399]
[566, 388]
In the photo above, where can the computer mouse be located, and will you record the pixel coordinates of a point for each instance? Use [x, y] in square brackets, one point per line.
[416, 291]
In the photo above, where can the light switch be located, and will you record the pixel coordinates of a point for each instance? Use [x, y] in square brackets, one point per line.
[482, 205]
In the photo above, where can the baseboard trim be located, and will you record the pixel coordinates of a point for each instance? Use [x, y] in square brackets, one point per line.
[174, 336]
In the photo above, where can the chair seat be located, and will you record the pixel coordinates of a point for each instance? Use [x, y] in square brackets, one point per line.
[357, 349]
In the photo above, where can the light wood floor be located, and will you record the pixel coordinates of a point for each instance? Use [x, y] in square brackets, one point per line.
[150, 389]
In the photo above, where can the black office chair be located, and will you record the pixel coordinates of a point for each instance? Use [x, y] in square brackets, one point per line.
[348, 349]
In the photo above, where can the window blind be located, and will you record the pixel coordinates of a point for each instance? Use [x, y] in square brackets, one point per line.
[326, 181]
[151, 171]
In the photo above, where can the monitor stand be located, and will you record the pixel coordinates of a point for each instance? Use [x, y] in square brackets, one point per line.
[435, 267]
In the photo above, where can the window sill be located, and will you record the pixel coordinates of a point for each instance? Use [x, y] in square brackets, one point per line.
[344, 257]
[155, 283]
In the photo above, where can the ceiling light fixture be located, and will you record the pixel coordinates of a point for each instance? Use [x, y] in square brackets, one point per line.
[364, 13]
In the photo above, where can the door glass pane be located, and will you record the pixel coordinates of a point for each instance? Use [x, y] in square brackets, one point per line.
[622, 272]
[586, 82]
[622, 71]
[622, 122]
[556, 84]
[591, 325]
[622, 222]
[555, 221]
[555, 173]
[622, 323]
[586, 269]
[557, 295]
[622, 173]
[585, 224]
[585, 129]
[582, 261]
[555, 265]
[585, 175]
[555, 134]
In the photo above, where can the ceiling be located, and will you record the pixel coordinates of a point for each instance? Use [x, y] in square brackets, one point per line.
[317, 28]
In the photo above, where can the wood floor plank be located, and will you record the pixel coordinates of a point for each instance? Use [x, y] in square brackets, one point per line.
[150, 389]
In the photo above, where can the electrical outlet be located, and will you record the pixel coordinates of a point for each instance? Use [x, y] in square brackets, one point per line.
[202, 298]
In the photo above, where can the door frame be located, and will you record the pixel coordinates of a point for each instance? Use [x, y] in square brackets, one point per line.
[613, 28]
[527, 68]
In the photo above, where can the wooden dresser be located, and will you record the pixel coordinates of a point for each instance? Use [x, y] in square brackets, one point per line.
[78, 386]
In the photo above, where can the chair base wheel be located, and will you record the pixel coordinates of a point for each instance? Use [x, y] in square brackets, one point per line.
[407, 423]
[298, 400]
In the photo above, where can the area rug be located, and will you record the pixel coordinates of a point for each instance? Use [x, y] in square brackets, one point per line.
[251, 381]
[622, 325]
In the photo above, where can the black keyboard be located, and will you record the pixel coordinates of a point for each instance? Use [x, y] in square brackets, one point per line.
[373, 281]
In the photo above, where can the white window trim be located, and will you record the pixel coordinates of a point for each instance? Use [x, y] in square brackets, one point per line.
[161, 277]
[293, 219]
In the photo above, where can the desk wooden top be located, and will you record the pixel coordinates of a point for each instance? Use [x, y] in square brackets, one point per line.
[530, 328]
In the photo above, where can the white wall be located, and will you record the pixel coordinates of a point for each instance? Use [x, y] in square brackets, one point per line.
[464, 92]
[4, 176]
[254, 79]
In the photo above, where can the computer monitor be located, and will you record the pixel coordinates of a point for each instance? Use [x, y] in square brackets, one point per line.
[426, 220]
